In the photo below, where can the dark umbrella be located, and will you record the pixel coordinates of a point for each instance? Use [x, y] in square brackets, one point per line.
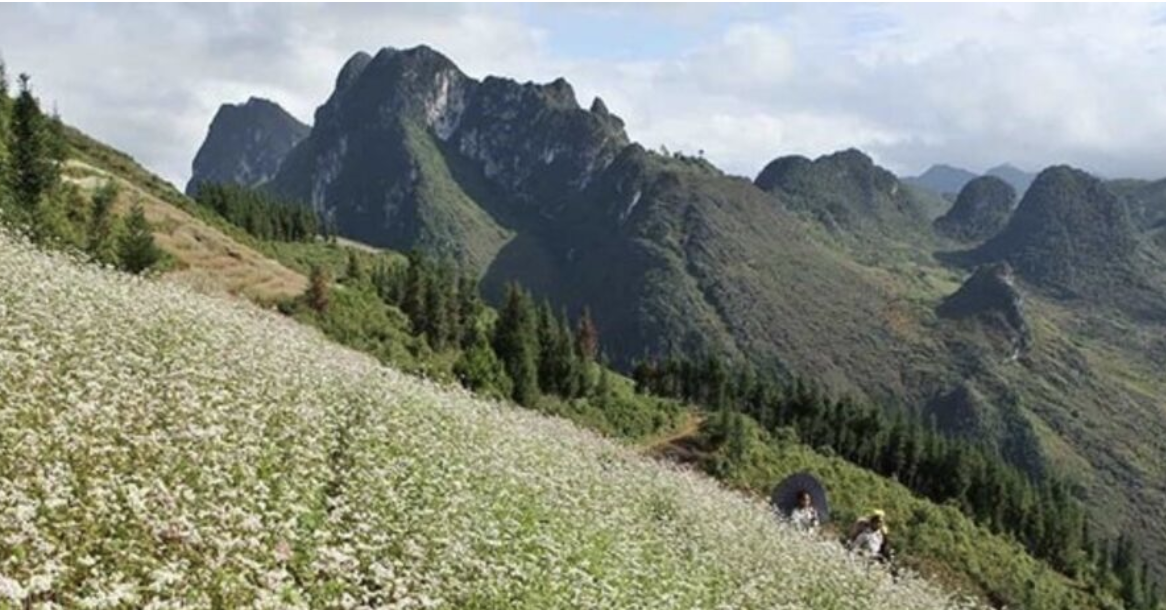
[785, 495]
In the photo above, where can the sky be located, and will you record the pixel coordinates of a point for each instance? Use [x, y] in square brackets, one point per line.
[911, 85]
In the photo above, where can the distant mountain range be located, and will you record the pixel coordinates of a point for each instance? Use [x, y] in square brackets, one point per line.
[827, 268]
[947, 180]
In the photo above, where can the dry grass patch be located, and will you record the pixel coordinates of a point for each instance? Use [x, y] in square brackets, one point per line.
[207, 258]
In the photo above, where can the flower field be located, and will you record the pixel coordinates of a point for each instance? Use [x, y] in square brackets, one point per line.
[164, 449]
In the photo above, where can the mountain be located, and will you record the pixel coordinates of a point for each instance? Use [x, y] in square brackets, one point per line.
[943, 179]
[844, 191]
[1072, 235]
[980, 211]
[410, 152]
[520, 183]
[947, 180]
[990, 297]
[1018, 178]
[245, 144]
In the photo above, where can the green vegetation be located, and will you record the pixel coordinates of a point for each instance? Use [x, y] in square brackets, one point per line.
[258, 213]
[1040, 515]
[980, 211]
[35, 200]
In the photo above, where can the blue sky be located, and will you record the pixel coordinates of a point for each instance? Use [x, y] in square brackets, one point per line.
[970, 85]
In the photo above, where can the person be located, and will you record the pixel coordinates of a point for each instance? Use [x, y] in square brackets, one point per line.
[804, 516]
[868, 537]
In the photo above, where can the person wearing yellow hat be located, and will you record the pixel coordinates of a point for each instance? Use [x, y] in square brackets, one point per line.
[868, 537]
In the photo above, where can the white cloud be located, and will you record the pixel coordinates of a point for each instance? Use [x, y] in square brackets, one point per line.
[912, 85]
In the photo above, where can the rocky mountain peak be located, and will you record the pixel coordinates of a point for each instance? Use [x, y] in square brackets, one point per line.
[1070, 234]
[352, 69]
[845, 190]
[980, 211]
[245, 144]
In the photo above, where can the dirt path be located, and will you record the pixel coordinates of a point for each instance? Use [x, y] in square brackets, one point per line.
[688, 426]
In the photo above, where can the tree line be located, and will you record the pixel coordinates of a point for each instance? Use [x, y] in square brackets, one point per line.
[1042, 515]
[524, 351]
[527, 351]
[259, 213]
[35, 200]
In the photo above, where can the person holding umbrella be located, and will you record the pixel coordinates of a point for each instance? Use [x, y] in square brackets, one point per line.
[804, 517]
[800, 500]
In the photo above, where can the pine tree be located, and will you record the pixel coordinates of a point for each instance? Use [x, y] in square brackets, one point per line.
[549, 360]
[479, 368]
[319, 293]
[469, 309]
[587, 337]
[437, 323]
[34, 172]
[516, 343]
[354, 272]
[99, 240]
[136, 249]
[5, 112]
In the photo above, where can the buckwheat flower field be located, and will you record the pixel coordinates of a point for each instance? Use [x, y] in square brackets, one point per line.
[164, 449]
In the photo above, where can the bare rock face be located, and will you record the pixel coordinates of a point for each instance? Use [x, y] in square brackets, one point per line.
[409, 151]
[246, 144]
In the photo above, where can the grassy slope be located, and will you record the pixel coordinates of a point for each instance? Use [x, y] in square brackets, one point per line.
[193, 451]
[209, 255]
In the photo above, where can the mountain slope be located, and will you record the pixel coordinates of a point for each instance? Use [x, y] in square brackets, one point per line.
[245, 144]
[205, 255]
[219, 431]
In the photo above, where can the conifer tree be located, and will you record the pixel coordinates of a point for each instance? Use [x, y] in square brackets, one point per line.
[479, 368]
[437, 322]
[354, 272]
[136, 249]
[5, 112]
[516, 343]
[469, 308]
[319, 293]
[99, 240]
[33, 171]
[587, 337]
